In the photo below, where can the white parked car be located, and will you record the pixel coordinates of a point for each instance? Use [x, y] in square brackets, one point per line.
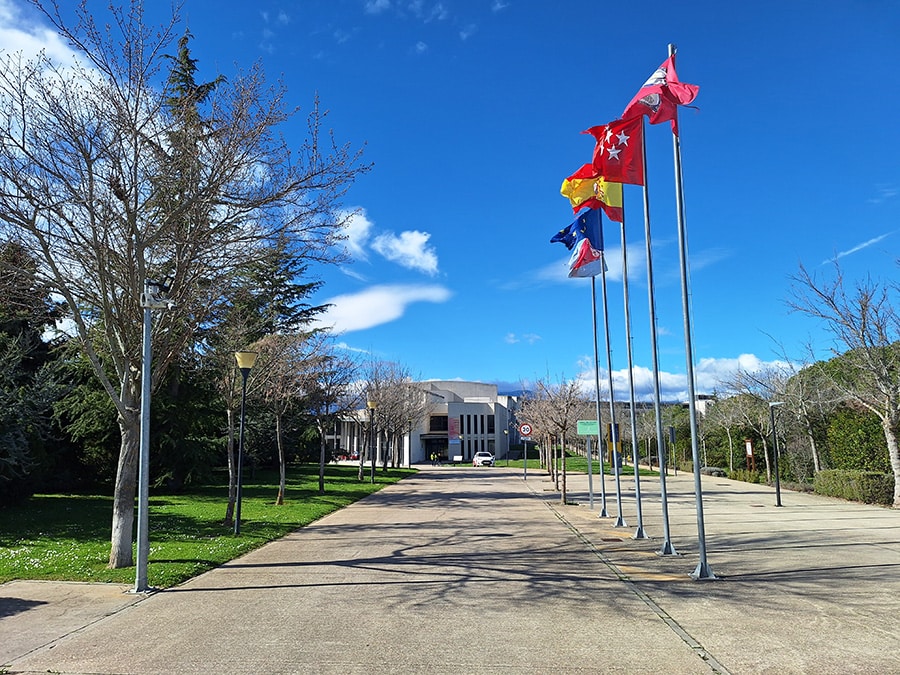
[483, 459]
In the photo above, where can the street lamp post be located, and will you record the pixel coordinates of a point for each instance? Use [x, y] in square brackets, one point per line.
[409, 424]
[772, 406]
[153, 298]
[372, 405]
[245, 363]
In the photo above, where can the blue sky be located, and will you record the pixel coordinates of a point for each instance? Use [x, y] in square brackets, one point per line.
[471, 113]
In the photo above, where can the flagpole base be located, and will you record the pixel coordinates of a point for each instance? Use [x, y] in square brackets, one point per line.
[640, 534]
[620, 522]
[703, 573]
[667, 549]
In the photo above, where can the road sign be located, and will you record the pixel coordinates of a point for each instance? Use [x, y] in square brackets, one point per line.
[525, 429]
[588, 428]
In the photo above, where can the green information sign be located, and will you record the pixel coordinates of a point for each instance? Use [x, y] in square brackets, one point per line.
[588, 428]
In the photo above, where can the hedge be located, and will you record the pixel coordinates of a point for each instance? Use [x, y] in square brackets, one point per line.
[869, 487]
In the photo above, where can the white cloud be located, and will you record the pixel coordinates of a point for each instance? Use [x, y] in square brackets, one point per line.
[410, 250]
[709, 374]
[376, 305]
[420, 47]
[357, 227]
[17, 34]
[499, 5]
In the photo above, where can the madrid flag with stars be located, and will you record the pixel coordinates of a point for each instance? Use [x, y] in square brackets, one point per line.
[618, 155]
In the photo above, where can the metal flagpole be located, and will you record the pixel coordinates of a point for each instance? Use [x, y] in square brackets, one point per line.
[639, 532]
[603, 511]
[667, 547]
[703, 570]
[614, 433]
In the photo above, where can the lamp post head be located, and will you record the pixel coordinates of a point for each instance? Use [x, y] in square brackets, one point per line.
[773, 404]
[245, 362]
[371, 404]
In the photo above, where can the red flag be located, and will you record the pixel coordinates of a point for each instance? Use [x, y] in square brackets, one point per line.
[661, 95]
[618, 155]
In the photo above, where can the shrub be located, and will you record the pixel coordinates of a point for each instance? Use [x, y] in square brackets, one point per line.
[745, 475]
[868, 487]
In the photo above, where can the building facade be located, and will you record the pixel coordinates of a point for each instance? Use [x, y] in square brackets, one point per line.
[460, 419]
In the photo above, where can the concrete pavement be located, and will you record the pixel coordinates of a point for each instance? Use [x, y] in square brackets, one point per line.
[462, 570]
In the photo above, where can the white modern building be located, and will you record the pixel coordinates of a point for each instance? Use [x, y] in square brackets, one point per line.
[461, 418]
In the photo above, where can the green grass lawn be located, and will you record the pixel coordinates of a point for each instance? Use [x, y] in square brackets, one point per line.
[66, 537]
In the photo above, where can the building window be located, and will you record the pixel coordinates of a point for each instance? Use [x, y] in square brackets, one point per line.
[490, 425]
[437, 423]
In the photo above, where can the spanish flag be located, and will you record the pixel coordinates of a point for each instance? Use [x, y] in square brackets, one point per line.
[585, 189]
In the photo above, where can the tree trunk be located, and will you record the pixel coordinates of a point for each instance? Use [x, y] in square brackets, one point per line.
[562, 496]
[121, 552]
[232, 471]
[282, 478]
[766, 455]
[730, 449]
[812, 444]
[891, 428]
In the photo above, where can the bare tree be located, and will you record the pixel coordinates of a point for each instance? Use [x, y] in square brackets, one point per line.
[327, 384]
[111, 177]
[725, 414]
[398, 403]
[752, 393]
[866, 327]
[563, 402]
[283, 360]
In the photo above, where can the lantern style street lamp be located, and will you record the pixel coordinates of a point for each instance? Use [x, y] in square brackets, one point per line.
[245, 363]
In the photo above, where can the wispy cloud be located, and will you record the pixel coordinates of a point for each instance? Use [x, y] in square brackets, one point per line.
[377, 6]
[348, 348]
[420, 47]
[857, 248]
[558, 272]
[530, 338]
[884, 193]
[499, 6]
[376, 305]
[428, 12]
[468, 32]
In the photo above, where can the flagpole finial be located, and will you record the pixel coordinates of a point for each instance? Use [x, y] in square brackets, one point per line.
[672, 49]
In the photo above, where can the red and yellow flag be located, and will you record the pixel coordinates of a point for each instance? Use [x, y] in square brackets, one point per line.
[586, 189]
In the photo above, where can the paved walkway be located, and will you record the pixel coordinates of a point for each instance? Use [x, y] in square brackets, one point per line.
[462, 570]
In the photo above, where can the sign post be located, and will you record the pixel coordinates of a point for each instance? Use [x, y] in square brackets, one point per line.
[590, 428]
[525, 431]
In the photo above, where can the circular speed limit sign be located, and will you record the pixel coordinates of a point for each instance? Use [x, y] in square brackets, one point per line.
[525, 429]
